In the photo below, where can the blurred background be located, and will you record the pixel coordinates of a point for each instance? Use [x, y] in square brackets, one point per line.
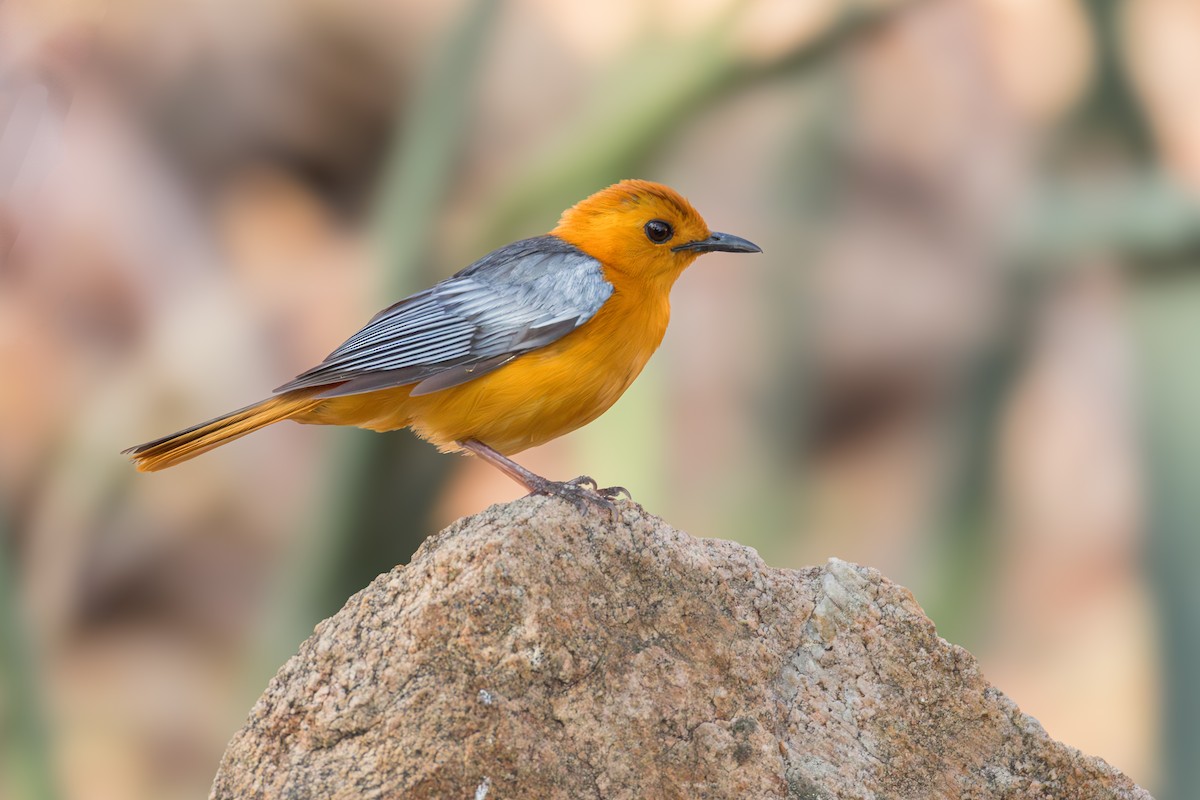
[968, 356]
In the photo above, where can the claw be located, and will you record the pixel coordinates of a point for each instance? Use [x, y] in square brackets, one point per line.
[610, 492]
[578, 494]
[586, 481]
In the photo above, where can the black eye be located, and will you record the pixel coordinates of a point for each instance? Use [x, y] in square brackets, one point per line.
[658, 231]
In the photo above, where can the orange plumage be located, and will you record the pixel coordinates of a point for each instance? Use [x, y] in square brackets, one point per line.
[531, 342]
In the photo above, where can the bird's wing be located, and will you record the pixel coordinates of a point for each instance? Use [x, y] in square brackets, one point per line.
[513, 300]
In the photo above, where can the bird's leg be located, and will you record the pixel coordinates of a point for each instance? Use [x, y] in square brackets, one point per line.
[578, 491]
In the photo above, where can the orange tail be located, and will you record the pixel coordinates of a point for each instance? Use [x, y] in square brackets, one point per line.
[191, 442]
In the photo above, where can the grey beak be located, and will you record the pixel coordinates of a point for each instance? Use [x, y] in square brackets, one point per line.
[725, 242]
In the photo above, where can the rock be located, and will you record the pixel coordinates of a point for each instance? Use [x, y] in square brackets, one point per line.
[535, 652]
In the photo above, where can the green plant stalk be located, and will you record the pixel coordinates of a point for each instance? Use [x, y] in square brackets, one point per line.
[1167, 326]
[27, 762]
[423, 161]
[1140, 211]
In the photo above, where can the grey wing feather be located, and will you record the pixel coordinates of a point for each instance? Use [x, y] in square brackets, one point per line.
[513, 300]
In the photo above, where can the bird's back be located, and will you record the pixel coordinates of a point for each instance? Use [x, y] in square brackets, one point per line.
[512, 301]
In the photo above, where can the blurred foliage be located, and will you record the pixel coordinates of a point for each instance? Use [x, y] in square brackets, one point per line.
[654, 93]
[1151, 225]
[1100, 194]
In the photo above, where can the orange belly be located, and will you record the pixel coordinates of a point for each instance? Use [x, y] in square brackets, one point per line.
[537, 397]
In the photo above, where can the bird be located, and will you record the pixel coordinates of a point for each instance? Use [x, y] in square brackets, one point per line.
[531, 341]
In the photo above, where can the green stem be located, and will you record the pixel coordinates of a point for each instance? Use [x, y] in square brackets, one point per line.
[28, 760]
[1168, 326]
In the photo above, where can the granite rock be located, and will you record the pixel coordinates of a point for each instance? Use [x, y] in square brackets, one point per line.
[534, 651]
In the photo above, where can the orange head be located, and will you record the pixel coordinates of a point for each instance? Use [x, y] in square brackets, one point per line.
[643, 230]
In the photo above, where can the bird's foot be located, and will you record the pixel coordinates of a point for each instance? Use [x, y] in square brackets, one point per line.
[581, 492]
[609, 492]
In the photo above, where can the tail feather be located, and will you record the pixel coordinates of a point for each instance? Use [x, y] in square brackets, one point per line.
[191, 442]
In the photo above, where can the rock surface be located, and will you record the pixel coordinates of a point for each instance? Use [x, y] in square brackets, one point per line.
[534, 652]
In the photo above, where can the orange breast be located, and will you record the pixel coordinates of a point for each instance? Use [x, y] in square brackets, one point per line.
[537, 397]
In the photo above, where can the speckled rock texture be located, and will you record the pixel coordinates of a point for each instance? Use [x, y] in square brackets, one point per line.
[532, 651]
